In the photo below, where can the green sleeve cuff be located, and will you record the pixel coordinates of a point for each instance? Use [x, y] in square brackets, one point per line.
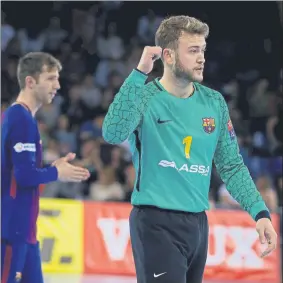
[263, 214]
[257, 208]
[138, 77]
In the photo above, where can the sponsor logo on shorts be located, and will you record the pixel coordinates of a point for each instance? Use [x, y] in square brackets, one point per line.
[158, 275]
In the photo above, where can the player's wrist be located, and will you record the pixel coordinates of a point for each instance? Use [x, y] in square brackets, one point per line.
[140, 70]
[54, 173]
[263, 214]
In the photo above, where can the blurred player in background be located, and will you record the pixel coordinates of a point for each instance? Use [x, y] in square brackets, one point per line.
[21, 170]
[177, 128]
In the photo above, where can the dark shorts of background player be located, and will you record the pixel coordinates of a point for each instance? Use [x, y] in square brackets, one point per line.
[168, 246]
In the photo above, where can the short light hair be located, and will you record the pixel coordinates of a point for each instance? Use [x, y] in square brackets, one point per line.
[171, 29]
[32, 65]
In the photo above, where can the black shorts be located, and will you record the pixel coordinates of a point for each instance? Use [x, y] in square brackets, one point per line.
[168, 246]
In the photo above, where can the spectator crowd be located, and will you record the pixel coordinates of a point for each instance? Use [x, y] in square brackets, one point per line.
[98, 49]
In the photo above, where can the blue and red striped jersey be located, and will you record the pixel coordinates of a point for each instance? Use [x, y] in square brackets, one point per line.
[22, 173]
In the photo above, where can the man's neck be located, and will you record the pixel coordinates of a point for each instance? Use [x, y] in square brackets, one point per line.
[177, 87]
[27, 99]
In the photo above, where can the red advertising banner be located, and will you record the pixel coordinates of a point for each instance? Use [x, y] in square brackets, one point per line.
[234, 248]
[107, 239]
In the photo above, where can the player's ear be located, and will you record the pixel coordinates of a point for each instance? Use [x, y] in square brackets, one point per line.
[168, 56]
[30, 82]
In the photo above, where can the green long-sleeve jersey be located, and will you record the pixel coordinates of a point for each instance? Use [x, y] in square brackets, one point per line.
[174, 142]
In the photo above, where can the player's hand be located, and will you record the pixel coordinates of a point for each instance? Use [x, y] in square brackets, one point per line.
[266, 234]
[69, 157]
[70, 173]
[149, 56]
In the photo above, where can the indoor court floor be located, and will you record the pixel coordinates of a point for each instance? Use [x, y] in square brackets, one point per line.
[63, 278]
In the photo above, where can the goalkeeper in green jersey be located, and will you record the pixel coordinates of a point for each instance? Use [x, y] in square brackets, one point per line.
[176, 128]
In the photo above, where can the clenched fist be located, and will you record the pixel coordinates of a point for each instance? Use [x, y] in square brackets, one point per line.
[149, 56]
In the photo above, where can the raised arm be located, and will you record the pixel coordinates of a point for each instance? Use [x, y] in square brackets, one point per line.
[130, 103]
[126, 111]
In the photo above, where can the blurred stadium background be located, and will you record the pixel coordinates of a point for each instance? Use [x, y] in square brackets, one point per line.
[83, 227]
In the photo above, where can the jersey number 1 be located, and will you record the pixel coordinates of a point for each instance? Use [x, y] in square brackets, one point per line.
[187, 141]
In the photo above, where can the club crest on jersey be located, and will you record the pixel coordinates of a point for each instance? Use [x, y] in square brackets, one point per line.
[208, 125]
